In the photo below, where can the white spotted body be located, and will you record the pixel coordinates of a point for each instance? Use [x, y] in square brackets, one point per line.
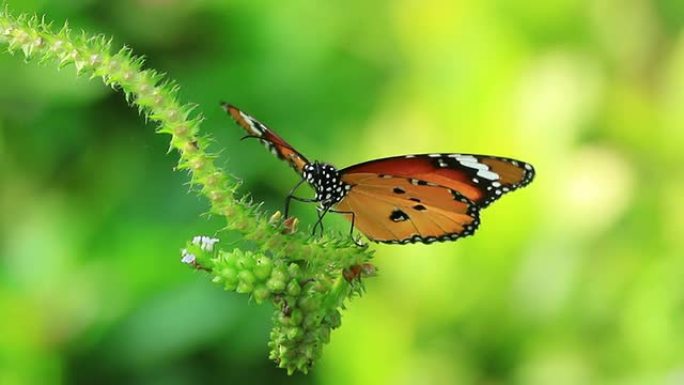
[326, 182]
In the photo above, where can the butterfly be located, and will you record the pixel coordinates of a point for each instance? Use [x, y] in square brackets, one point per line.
[403, 199]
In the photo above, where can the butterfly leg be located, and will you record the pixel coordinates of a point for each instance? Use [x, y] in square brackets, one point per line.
[319, 222]
[351, 228]
[291, 196]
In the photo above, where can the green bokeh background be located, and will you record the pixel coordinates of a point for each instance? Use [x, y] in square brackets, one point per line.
[577, 279]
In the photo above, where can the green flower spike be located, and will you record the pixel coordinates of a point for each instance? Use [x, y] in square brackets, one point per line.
[304, 278]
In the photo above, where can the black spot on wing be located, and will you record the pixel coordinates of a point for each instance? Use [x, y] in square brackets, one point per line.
[398, 216]
[468, 230]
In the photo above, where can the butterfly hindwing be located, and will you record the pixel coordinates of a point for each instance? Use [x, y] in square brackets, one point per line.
[274, 143]
[405, 210]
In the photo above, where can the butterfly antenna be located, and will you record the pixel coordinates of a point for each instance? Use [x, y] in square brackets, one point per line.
[250, 136]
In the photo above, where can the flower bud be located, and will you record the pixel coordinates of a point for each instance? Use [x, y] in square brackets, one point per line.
[275, 218]
[294, 333]
[245, 261]
[293, 288]
[294, 270]
[263, 268]
[229, 277]
[296, 317]
[260, 293]
[244, 287]
[308, 303]
[312, 320]
[290, 225]
[275, 285]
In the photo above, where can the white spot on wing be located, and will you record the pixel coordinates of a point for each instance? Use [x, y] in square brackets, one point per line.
[252, 124]
[488, 174]
[466, 158]
[474, 164]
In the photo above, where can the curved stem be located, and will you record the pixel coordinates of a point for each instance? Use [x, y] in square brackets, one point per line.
[318, 262]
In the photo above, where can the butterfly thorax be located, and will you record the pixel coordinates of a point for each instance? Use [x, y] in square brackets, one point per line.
[327, 182]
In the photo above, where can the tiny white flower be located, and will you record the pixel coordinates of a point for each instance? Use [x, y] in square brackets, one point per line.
[205, 243]
[187, 257]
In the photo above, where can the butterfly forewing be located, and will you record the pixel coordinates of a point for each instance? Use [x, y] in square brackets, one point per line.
[274, 143]
[480, 178]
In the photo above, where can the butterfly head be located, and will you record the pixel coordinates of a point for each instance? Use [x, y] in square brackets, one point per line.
[327, 182]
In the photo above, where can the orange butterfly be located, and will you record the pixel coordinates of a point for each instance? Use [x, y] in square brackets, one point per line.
[404, 199]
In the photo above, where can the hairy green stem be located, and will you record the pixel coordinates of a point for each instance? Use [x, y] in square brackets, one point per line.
[303, 277]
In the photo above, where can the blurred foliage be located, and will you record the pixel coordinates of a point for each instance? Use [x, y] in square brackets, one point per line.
[307, 279]
[577, 279]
